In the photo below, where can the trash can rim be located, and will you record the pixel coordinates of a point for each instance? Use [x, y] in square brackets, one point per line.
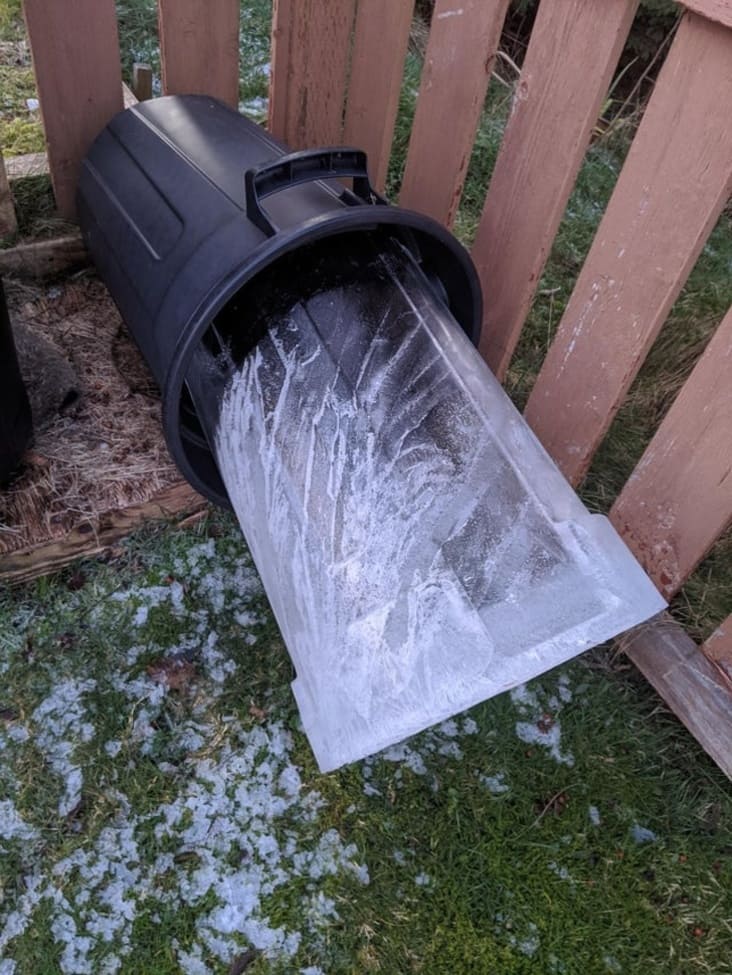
[221, 291]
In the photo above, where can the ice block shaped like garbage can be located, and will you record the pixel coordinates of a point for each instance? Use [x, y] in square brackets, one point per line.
[315, 347]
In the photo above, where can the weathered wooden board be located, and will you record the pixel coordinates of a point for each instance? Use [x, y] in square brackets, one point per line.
[675, 182]
[377, 66]
[678, 500]
[691, 686]
[461, 48]
[311, 44]
[199, 48]
[8, 222]
[97, 536]
[76, 62]
[574, 48]
[45, 259]
[718, 10]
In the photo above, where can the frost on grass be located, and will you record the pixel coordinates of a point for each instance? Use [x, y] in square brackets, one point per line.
[228, 826]
[494, 783]
[543, 727]
[59, 724]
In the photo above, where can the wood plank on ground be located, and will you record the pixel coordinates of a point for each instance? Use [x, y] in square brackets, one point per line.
[99, 535]
[8, 222]
[377, 67]
[691, 686]
[45, 258]
[461, 48]
[678, 500]
[573, 51]
[673, 186]
[311, 43]
[199, 48]
[78, 82]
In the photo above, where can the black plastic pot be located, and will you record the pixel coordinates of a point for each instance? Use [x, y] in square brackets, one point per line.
[172, 206]
[16, 428]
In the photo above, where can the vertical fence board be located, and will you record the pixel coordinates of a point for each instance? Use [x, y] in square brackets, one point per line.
[310, 58]
[76, 62]
[377, 66]
[678, 500]
[574, 48]
[718, 648]
[199, 48]
[673, 187]
[462, 44]
[8, 223]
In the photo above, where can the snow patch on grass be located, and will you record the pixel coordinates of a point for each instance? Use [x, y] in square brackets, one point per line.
[543, 727]
[641, 834]
[494, 783]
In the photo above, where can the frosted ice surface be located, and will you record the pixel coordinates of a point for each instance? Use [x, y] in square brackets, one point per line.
[420, 550]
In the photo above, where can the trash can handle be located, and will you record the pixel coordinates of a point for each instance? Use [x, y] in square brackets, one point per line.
[304, 167]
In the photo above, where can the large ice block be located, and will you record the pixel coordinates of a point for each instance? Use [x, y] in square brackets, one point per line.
[420, 550]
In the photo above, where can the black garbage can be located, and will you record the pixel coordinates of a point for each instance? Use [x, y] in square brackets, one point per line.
[184, 203]
[16, 428]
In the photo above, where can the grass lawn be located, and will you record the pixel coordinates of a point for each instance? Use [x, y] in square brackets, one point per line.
[160, 810]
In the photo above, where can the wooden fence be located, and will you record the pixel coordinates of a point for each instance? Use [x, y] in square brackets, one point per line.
[336, 74]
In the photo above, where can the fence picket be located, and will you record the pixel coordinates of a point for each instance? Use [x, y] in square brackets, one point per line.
[673, 186]
[574, 48]
[377, 65]
[79, 82]
[310, 57]
[199, 48]
[718, 648]
[719, 10]
[460, 51]
[678, 500]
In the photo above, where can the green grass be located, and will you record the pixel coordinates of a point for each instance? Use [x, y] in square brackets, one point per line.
[520, 881]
